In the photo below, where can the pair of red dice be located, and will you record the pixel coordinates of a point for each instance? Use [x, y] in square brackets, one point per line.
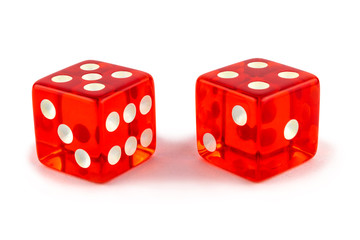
[255, 118]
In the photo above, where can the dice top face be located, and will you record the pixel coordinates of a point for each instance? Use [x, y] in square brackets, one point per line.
[257, 118]
[90, 132]
[258, 77]
[94, 79]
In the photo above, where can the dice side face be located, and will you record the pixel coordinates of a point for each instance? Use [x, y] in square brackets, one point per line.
[227, 128]
[71, 126]
[65, 123]
[289, 128]
[266, 121]
[128, 127]
[209, 121]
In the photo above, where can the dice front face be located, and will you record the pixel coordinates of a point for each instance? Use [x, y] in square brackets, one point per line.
[94, 120]
[257, 118]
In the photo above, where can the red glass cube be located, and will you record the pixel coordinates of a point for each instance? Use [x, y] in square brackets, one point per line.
[94, 120]
[257, 118]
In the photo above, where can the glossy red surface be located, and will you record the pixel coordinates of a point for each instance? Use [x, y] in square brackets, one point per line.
[108, 146]
[260, 143]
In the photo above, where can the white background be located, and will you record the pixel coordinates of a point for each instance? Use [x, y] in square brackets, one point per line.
[176, 194]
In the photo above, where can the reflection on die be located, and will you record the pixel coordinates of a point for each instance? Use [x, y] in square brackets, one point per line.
[94, 120]
[257, 118]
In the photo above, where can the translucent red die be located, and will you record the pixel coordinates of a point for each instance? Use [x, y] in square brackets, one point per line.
[257, 118]
[94, 120]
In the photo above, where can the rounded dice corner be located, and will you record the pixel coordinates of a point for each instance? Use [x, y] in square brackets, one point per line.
[317, 80]
[197, 82]
[36, 85]
[150, 78]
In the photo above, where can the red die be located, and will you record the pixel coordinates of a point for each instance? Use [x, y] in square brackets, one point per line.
[257, 118]
[94, 120]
